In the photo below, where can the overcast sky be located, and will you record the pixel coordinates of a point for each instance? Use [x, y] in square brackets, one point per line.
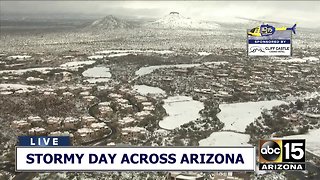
[306, 13]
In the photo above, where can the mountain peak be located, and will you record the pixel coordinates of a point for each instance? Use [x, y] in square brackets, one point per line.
[174, 20]
[174, 13]
[109, 22]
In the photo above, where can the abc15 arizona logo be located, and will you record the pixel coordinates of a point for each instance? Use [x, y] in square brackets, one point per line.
[282, 154]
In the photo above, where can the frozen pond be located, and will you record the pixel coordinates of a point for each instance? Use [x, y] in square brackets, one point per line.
[97, 72]
[181, 110]
[224, 138]
[145, 90]
[149, 69]
[237, 116]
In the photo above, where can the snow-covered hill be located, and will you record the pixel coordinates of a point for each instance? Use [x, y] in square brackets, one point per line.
[176, 21]
[108, 23]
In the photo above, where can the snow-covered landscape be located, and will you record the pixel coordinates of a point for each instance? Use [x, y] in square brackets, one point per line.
[74, 65]
[312, 140]
[225, 138]
[22, 71]
[181, 110]
[97, 72]
[138, 74]
[145, 90]
[149, 69]
[238, 116]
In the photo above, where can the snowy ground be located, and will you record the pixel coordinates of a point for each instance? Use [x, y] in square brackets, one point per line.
[97, 80]
[202, 53]
[76, 64]
[97, 72]
[115, 51]
[15, 87]
[96, 57]
[144, 90]
[308, 95]
[181, 110]
[19, 57]
[22, 71]
[224, 138]
[298, 60]
[312, 140]
[118, 55]
[237, 116]
[149, 69]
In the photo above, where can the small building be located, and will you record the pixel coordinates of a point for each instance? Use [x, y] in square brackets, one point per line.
[86, 88]
[149, 108]
[37, 131]
[146, 104]
[65, 133]
[84, 134]
[99, 128]
[54, 123]
[35, 121]
[161, 132]
[71, 123]
[105, 111]
[126, 107]
[126, 121]
[84, 93]
[226, 176]
[105, 103]
[142, 114]
[141, 99]
[181, 71]
[87, 120]
[114, 96]
[130, 133]
[111, 144]
[122, 101]
[21, 125]
[49, 93]
[68, 94]
[184, 176]
[89, 98]
[35, 80]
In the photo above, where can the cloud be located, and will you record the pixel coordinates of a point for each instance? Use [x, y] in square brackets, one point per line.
[306, 13]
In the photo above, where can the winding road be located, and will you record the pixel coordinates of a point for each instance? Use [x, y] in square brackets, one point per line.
[104, 140]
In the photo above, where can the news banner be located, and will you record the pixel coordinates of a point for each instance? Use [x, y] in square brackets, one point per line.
[50, 153]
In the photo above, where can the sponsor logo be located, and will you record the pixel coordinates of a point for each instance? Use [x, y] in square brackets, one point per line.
[254, 49]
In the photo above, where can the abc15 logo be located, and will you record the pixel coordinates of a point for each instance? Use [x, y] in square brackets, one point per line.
[277, 151]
